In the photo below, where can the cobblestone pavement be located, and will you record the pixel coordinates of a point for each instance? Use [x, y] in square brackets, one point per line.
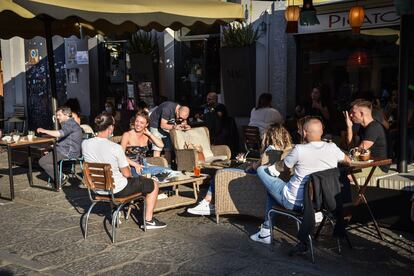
[41, 235]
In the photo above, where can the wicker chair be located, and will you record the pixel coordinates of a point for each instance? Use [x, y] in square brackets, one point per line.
[186, 159]
[237, 192]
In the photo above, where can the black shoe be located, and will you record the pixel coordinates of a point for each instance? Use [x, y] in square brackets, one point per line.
[299, 249]
[154, 224]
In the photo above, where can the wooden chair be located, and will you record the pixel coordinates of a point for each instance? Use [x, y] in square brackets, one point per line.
[98, 177]
[252, 140]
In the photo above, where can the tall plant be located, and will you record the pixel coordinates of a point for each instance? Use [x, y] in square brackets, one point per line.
[143, 43]
[239, 35]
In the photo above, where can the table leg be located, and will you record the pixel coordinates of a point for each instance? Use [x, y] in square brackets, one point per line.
[195, 191]
[9, 157]
[373, 218]
[361, 198]
[29, 164]
[55, 173]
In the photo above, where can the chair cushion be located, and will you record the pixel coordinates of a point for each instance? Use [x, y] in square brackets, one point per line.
[196, 136]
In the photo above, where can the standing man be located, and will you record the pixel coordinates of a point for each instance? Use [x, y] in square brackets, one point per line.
[167, 116]
[69, 139]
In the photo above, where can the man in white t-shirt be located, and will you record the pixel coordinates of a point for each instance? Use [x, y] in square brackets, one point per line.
[101, 150]
[306, 159]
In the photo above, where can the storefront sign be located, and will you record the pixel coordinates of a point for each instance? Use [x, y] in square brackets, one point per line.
[338, 21]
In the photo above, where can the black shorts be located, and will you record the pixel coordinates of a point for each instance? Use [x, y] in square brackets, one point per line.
[135, 185]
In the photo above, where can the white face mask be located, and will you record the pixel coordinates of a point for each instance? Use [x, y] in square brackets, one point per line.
[108, 109]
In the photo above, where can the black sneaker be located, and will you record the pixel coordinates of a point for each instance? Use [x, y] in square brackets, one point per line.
[154, 224]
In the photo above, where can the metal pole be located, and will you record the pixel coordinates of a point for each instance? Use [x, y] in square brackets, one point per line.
[402, 92]
[51, 63]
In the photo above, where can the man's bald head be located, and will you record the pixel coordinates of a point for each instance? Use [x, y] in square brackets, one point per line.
[212, 98]
[183, 112]
[313, 130]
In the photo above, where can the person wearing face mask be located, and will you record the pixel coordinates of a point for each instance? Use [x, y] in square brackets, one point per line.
[110, 109]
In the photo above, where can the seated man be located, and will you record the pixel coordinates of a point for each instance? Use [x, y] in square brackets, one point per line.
[167, 116]
[313, 156]
[101, 150]
[371, 134]
[69, 139]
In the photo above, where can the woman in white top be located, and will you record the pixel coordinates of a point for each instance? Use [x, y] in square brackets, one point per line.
[264, 114]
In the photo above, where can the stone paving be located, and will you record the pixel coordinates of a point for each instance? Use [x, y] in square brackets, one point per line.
[41, 235]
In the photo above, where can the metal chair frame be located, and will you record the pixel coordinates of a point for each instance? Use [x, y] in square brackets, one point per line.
[73, 174]
[298, 219]
[108, 186]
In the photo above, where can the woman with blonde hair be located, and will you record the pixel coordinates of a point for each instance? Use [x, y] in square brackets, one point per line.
[276, 140]
[136, 144]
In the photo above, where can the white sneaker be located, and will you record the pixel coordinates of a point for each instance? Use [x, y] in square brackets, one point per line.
[318, 217]
[204, 208]
[262, 236]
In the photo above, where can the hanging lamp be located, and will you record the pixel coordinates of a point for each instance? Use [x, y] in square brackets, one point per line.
[292, 13]
[356, 17]
[308, 15]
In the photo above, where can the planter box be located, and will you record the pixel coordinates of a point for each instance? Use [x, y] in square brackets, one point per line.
[238, 69]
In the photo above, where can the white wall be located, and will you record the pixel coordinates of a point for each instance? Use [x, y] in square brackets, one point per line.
[14, 75]
[167, 65]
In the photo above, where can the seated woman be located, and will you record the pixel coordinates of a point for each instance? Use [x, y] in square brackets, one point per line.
[136, 143]
[276, 137]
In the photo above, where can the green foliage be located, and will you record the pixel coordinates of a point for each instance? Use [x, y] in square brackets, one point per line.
[239, 35]
[143, 43]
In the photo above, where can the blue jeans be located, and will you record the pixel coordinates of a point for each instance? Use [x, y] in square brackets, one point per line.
[274, 187]
[149, 169]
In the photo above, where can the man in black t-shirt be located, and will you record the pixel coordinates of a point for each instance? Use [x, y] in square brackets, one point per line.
[167, 116]
[371, 134]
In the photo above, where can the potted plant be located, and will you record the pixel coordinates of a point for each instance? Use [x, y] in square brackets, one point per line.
[238, 68]
[143, 55]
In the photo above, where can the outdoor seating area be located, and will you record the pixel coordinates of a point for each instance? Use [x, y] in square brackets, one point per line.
[42, 235]
[206, 137]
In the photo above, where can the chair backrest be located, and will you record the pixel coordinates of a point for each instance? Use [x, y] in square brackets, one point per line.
[98, 176]
[87, 129]
[252, 140]
[196, 136]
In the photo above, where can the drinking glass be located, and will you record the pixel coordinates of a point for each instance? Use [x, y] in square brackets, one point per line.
[197, 171]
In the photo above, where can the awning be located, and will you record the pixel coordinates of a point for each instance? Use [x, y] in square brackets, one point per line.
[25, 17]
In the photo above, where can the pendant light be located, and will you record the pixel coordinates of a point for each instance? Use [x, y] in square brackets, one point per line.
[356, 17]
[292, 13]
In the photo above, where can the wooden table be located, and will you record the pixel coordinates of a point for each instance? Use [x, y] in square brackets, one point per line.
[360, 198]
[179, 200]
[27, 144]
